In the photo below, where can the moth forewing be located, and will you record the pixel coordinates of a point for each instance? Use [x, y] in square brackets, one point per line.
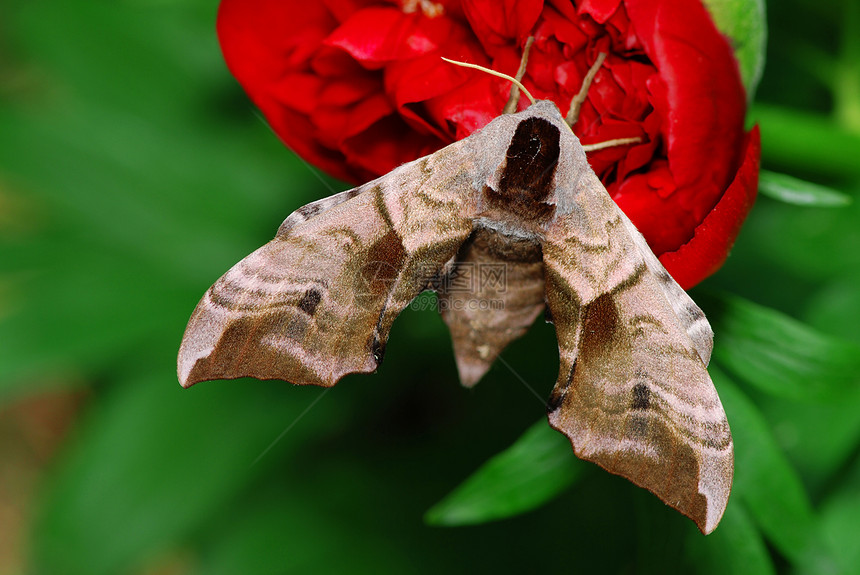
[316, 303]
[633, 393]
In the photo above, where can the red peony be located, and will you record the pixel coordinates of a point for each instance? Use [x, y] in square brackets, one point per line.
[357, 87]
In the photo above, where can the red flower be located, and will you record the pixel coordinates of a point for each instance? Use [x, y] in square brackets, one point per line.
[357, 87]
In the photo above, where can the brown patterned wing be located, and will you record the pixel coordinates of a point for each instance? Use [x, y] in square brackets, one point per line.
[318, 301]
[633, 394]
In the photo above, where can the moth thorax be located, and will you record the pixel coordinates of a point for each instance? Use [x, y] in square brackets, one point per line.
[527, 176]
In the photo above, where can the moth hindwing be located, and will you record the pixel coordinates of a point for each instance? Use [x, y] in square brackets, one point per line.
[633, 393]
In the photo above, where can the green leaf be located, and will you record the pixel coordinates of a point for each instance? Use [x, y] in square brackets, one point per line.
[836, 549]
[140, 188]
[736, 546]
[536, 468]
[778, 354]
[819, 438]
[764, 479]
[153, 461]
[835, 306]
[839, 531]
[798, 192]
[806, 141]
[744, 22]
[277, 529]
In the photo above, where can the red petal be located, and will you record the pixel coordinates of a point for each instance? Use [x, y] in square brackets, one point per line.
[500, 22]
[562, 28]
[336, 123]
[714, 237]
[649, 200]
[600, 10]
[261, 39]
[412, 83]
[299, 91]
[425, 77]
[704, 96]
[471, 106]
[302, 141]
[375, 36]
[343, 9]
[566, 8]
[386, 145]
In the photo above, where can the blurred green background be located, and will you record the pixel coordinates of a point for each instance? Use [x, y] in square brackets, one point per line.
[133, 172]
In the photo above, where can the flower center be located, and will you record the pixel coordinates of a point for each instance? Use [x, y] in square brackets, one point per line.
[428, 8]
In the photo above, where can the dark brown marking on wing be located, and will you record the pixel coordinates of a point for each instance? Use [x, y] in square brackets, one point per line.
[694, 313]
[601, 321]
[309, 210]
[310, 301]
[235, 297]
[641, 397]
[347, 235]
[377, 349]
[379, 200]
[383, 263]
[240, 354]
[631, 280]
[664, 276]
[313, 209]
[638, 324]
[556, 398]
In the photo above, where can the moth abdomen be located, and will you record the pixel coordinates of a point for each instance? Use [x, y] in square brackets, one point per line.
[503, 247]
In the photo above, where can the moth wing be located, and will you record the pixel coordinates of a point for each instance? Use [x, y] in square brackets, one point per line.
[318, 301]
[689, 314]
[313, 209]
[633, 394]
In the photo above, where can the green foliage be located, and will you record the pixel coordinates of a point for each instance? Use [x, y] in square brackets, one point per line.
[744, 23]
[765, 481]
[133, 172]
[531, 472]
[151, 451]
[780, 355]
[736, 547]
[795, 191]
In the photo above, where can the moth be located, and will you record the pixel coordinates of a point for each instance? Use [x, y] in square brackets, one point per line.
[633, 393]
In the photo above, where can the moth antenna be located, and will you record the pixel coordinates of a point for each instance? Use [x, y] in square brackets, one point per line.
[576, 106]
[611, 143]
[514, 97]
[511, 79]
[576, 103]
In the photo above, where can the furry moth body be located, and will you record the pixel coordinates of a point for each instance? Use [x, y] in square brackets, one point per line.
[633, 394]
